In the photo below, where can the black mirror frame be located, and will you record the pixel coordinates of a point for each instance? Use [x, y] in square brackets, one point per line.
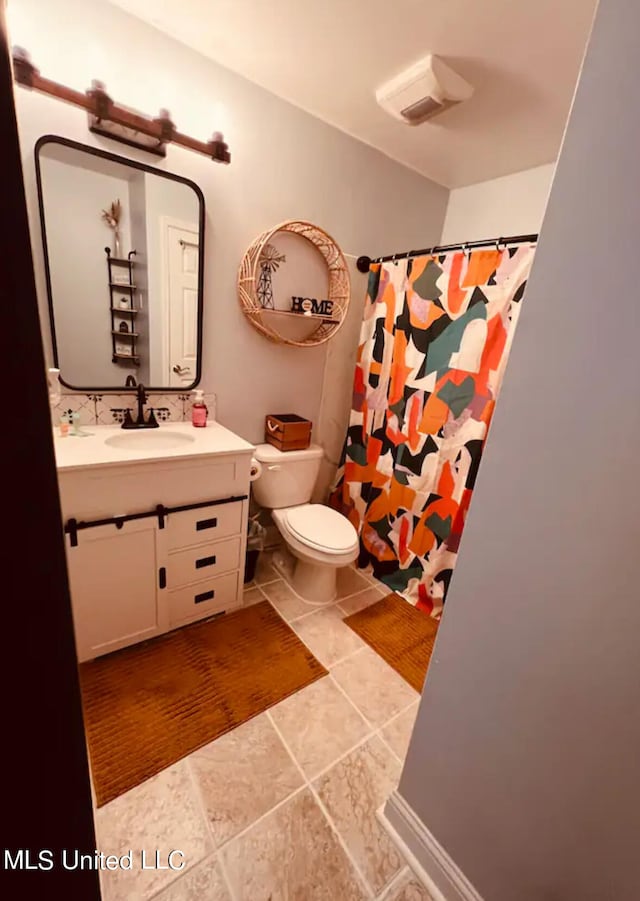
[75, 145]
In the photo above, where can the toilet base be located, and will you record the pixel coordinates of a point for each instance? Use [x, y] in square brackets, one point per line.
[314, 583]
[284, 563]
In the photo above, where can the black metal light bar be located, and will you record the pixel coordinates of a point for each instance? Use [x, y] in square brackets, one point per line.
[363, 263]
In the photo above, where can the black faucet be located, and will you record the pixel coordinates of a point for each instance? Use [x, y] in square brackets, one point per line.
[139, 423]
[130, 381]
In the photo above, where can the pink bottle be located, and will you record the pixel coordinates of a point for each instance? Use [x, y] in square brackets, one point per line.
[199, 411]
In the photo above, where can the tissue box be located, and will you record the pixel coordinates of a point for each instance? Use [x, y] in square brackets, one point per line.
[287, 432]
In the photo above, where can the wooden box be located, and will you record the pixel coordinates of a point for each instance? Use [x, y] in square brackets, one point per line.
[287, 432]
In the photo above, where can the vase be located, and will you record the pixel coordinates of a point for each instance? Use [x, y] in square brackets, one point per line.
[117, 250]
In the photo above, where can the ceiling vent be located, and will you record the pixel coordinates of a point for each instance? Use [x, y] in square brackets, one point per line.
[424, 90]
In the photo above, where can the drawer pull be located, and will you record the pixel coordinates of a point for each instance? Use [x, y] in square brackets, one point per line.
[162, 577]
[205, 561]
[205, 596]
[206, 524]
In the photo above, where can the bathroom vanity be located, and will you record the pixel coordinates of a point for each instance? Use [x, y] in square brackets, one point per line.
[155, 529]
[155, 516]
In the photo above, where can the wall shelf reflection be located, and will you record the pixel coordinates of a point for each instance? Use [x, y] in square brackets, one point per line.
[117, 354]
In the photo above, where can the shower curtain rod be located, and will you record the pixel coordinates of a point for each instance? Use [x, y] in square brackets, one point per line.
[363, 263]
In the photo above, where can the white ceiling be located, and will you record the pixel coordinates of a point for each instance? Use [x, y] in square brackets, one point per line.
[328, 57]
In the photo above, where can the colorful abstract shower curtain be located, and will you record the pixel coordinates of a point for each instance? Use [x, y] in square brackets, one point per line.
[433, 347]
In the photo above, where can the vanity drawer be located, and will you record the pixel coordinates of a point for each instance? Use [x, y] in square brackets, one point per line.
[203, 599]
[202, 562]
[204, 524]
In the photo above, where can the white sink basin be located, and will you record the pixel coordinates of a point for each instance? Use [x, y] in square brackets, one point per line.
[149, 439]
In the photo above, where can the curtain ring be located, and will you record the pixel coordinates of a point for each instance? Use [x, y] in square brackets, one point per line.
[465, 250]
[394, 260]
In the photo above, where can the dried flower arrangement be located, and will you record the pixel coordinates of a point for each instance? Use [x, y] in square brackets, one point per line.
[112, 217]
[113, 214]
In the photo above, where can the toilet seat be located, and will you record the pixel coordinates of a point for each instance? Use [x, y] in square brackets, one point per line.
[320, 528]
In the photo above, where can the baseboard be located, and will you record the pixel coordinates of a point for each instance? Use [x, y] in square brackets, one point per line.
[440, 875]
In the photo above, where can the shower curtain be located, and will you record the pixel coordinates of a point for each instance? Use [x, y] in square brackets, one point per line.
[433, 347]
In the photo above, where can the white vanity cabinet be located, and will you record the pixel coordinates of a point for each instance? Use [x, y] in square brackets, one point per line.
[172, 550]
[114, 587]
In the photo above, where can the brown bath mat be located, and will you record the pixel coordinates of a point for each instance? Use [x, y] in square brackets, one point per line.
[147, 706]
[401, 634]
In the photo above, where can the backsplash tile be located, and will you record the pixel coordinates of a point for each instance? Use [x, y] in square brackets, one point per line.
[185, 403]
[210, 400]
[110, 402]
[115, 415]
[170, 402]
[94, 400]
[75, 403]
[112, 408]
[107, 409]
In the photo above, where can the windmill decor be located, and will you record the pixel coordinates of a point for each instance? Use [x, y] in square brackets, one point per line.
[270, 260]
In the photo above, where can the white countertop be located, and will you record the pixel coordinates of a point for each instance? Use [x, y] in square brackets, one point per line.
[73, 452]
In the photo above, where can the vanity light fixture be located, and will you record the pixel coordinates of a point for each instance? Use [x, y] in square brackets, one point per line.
[118, 122]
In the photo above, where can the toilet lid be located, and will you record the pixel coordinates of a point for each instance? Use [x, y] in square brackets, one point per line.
[322, 527]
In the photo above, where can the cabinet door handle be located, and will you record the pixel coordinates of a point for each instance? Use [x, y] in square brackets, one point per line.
[205, 596]
[205, 561]
[162, 577]
[206, 524]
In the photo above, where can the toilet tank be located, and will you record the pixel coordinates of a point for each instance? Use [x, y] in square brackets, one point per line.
[287, 478]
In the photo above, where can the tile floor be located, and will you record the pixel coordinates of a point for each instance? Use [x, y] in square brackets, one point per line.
[283, 807]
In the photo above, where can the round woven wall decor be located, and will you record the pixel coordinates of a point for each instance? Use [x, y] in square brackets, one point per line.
[266, 320]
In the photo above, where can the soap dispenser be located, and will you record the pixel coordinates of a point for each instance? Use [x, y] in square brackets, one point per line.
[53, 378]
[199, 410]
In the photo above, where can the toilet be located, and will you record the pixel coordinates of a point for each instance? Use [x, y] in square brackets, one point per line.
[319, 540]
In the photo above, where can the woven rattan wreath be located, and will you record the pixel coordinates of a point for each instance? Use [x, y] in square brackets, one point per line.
[265, 320]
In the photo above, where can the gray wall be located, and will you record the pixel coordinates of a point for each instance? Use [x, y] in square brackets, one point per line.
[285, 164]
[526, 755]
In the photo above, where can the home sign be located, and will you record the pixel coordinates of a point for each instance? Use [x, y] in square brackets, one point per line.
[311, 305]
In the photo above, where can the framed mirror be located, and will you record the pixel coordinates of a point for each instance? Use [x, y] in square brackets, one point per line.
[123, 246]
